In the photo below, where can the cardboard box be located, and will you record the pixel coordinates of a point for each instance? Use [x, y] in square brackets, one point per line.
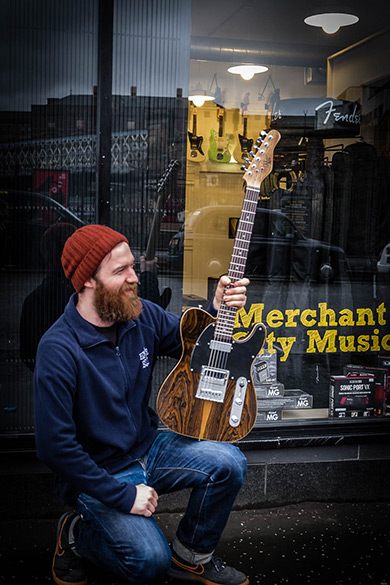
[351, 393]
[381, 381]
[291, 399]
[354, 414]
[264, 369]
[271, 415]
[384, 362]
[270, 390]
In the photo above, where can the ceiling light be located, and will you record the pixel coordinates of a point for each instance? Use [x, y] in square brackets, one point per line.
[247, 71]
[199, 96]
[330, 22]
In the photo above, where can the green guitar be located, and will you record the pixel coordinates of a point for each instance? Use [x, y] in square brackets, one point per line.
[219, 143]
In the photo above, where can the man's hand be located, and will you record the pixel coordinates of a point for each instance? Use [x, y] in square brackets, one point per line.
[148, 265]
[234, 295]
[145, 502]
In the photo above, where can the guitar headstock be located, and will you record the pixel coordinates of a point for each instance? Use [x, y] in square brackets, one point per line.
[262, 160]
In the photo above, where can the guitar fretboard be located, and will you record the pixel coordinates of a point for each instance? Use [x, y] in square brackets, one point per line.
[227, 315]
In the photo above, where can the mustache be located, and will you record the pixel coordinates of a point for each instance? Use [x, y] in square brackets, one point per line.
[128, 287]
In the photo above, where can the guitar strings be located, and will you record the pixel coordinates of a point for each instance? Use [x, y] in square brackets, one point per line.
[218, 358]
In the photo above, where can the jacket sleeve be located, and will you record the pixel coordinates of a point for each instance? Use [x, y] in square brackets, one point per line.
[56, 434]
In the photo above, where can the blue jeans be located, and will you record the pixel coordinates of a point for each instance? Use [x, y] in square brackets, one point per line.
[133, 547]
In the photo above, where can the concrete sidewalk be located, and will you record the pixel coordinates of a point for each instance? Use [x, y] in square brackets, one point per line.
[309, 543]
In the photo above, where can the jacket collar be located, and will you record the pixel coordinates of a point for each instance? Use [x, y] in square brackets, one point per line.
[84, 331]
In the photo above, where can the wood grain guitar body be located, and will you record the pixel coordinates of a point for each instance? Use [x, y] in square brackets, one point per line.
[210, 393]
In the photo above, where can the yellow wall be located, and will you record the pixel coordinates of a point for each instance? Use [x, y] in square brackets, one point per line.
[214, 193]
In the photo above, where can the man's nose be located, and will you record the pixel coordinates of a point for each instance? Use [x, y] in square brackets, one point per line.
[132, 276]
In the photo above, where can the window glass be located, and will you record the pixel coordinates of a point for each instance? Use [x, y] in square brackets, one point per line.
[318, 253]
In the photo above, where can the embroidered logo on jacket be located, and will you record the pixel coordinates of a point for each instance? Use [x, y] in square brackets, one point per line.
[143, 356]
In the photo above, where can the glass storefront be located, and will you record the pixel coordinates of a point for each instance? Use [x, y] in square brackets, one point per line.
[100, 123]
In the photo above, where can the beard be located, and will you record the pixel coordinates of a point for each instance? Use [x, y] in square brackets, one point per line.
[115, 305]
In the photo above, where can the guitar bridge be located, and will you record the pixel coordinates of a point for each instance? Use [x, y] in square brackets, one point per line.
[212, 384]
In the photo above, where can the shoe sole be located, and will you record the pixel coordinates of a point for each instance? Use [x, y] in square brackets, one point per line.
[57, 579]
[197, 578]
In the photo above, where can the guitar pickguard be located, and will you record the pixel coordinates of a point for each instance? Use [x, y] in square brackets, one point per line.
[237, 361]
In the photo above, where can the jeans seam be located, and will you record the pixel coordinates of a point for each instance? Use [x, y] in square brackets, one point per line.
[200, 509]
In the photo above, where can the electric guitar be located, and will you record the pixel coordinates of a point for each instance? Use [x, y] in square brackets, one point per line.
[219, 143]
[159, 210]
[244, 147]
[194, 149]
[210, 393]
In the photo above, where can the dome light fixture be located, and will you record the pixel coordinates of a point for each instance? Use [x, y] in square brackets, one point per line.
[199, 96]
[247, 71]
[330, 22]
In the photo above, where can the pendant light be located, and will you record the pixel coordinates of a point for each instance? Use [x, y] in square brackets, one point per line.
[247, 71]
[330, 22]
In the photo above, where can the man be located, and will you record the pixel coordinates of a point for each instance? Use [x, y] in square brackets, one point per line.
[95, 430]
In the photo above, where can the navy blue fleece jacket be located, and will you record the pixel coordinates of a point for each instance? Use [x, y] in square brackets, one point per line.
[91, 400]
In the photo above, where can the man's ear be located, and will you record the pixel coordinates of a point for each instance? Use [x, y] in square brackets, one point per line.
[90, 283]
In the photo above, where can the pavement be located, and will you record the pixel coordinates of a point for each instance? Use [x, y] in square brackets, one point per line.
[308, 543]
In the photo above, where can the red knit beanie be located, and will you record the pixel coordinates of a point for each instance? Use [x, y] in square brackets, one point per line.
[85, 249]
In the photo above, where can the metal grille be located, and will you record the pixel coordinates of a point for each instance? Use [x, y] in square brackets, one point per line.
[128, 151]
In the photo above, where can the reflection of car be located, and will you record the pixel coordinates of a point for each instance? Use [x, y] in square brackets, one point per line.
[384, 261]
[24, 218]
[277, 250]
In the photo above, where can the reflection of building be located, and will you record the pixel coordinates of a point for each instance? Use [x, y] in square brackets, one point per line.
[147, 133]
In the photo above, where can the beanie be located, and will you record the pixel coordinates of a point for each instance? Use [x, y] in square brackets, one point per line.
[85, 249]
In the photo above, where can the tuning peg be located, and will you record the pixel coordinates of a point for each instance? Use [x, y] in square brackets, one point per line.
[243, 168]
[263, 133]
[247, 160]
[251, 153]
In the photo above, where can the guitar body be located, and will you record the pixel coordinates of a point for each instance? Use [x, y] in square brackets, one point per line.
[243, 148]
[195, 152]
[219, 148]
[189, 400]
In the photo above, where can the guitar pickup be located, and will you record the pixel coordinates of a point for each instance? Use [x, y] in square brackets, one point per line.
[221, 346]
[212, 384]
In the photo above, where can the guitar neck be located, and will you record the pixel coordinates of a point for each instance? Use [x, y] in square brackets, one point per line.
[227, 315]
[245, 126]
[220, 125]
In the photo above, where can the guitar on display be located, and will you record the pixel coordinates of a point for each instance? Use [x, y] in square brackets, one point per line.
[210, 393]
[194, 150]
[219, 142]
[245, 144]
[162, 196]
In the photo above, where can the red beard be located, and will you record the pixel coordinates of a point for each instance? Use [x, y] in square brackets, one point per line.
[115, 305]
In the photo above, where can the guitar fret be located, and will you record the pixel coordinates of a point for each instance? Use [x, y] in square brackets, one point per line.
[227, 315]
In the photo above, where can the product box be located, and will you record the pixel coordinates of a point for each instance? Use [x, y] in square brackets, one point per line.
[351, 393]
[384, 362]
[271, 415]
[354, 414]
[264, 369]
[270, 390]
[381, 381]
[291, 399]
